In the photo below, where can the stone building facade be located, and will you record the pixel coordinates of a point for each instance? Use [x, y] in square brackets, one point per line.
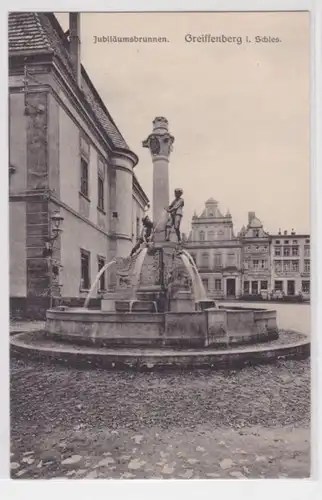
[216, 251]
[256, 258]
[253, 262]
[291, 263]
[65, 153]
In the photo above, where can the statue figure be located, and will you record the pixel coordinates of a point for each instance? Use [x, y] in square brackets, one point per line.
[145, 236]
[175, 215]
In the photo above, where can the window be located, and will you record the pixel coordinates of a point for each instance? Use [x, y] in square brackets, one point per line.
[205, 284]
[294, 242]
[263, 264]
[204, 260]
[278, 242]
[217, 260]
[255, 233]
[307, 251]
[101, 264]
[295, 251]
[218, 285]
[202, 236]
[85, 276]
[286, 251]
[307, 241]
[286, 242]
[211, 235]
[264, 285]
[254, 287]
[278, 265]
[286, 266]
[84, 177]
[246, 287]
[137, 230]
[100, 192]
[295, 266]
[278, 285]
[307, 266]
[255, 264]
[277, 250]
[306, 287]
[231, 259]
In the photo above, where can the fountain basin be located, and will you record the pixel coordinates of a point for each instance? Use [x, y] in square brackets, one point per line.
[210, 327]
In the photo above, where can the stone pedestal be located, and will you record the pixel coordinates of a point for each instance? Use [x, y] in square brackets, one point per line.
[109, 299]
[182, 302]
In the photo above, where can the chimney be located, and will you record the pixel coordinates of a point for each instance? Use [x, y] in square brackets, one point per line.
[74, 44]
[251, 216]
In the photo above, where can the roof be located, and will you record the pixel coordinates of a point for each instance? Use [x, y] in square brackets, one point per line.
[138, 188]
[255, 223]
[211, 201]
[289, 236]
[38, 32]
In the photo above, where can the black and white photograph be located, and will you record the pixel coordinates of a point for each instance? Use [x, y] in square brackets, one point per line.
[160, 245]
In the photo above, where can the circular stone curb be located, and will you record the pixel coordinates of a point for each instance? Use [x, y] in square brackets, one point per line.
[165, 359]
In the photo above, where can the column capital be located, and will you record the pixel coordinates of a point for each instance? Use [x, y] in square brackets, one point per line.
[160, 141]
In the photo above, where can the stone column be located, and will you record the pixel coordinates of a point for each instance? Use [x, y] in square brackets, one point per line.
[160, 144]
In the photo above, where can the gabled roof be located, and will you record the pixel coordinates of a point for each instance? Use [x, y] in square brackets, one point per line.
[40, 31]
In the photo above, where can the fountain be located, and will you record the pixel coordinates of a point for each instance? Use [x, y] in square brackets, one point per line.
[159, 313]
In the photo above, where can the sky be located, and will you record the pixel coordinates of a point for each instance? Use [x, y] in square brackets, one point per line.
[240, 113]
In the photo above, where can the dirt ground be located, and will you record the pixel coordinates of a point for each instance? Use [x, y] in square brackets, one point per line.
[68, 423]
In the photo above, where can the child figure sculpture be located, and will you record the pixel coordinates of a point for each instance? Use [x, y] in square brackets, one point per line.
[175, 215]
[145, 234]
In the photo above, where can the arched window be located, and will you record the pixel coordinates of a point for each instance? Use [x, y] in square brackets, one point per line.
[204, 260]
[202, 236]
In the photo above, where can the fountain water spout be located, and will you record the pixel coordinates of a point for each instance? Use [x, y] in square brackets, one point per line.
[198, 288]
[94, 285]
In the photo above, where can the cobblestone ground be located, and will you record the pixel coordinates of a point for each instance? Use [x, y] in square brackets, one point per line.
[67, 423]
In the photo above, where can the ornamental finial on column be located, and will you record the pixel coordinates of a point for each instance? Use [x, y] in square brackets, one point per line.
[160, 141]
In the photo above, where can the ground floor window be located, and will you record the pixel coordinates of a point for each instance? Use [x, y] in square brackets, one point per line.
[218, 284]
[264, 285]
[85, 269]
[306, 288]
[246, 287]
[254, 287]
[101, 264]
[278, 285]
[290, 287]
